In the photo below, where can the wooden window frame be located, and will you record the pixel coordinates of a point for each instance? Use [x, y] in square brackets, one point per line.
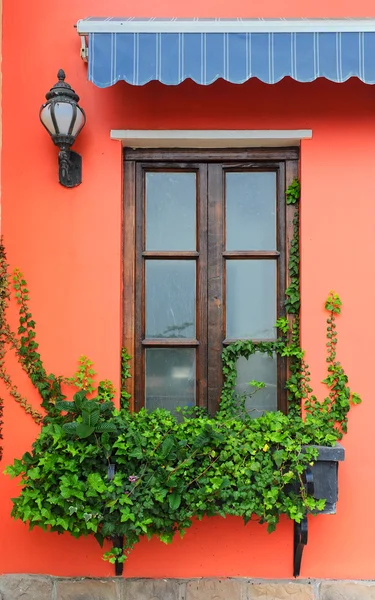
[212, 276]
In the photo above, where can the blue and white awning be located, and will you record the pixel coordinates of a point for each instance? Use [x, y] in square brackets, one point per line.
[141, 50]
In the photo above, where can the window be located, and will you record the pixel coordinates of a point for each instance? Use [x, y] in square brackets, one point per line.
[206, 244]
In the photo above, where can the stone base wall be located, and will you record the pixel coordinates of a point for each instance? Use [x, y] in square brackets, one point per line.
[35, 587]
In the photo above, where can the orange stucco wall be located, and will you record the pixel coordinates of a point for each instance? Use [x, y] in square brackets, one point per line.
[68, 243]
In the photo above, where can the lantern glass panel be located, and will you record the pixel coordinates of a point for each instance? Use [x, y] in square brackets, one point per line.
[45, 117]
[63, 116]
[79, 123]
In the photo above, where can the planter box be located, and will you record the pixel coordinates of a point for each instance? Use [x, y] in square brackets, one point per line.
[325, 476]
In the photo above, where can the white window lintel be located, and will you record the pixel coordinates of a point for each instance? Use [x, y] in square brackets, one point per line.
[210, 138]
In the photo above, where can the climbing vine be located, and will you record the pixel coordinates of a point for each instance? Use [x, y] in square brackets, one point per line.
[292, 293]
[9, 340]
[118, 475]
[25, 346]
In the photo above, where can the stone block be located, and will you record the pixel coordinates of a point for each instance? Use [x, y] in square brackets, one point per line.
[279, 591]
[214, 589]
[25, 587]
[347, 590]
[151, 589]
[87, 589]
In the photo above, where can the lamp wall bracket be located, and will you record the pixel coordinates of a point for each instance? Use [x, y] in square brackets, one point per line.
[70, 168]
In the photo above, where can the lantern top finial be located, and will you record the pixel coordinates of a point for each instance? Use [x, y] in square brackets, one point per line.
[62, 89]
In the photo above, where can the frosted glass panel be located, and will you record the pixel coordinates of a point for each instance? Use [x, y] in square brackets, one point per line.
[170, 211]
[79, 122]
[170, 378]
[63, 114]
[46, 119]
[251, 299]
[251, 211]
[259, 367]
[170, 298]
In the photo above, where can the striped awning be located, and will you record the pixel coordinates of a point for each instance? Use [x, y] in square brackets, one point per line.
[141, 50]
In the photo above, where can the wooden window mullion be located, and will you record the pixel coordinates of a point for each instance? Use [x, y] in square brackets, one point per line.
[201, 298]
[215, 273]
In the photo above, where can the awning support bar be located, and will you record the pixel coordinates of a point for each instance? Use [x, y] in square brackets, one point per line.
[84, 48]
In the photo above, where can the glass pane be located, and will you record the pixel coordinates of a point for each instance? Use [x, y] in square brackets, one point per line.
[170, 378]
[251, 299]
[170, 211]
[259, 367]
[79, 123]
[250, 211]
[170, 298]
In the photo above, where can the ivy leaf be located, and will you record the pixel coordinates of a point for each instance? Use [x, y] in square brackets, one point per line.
[99, 538]
[257, 384]
[136, 453]
[108, 529]
[160, 495]
[167, 446]
[278, 457]
[95, 482]
[166, 538]
[16, 469]
[28, 459]
[174, 500]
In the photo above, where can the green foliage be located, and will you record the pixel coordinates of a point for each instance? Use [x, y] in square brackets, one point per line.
[83, 379]
[48, 386]
[115, 555]
[87, 416]
[292, 293]
[282, 324]
[168, 471]
[8, 339]
[125, 375]
[114, 474]
[333, 411]
[293, 192]
[24, 344]
[294, 384]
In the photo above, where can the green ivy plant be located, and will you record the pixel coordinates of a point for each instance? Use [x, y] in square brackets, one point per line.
[117, 475]
[83, 379]
[86, 415]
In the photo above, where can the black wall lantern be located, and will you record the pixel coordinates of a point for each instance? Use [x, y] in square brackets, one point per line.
[64, 119]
